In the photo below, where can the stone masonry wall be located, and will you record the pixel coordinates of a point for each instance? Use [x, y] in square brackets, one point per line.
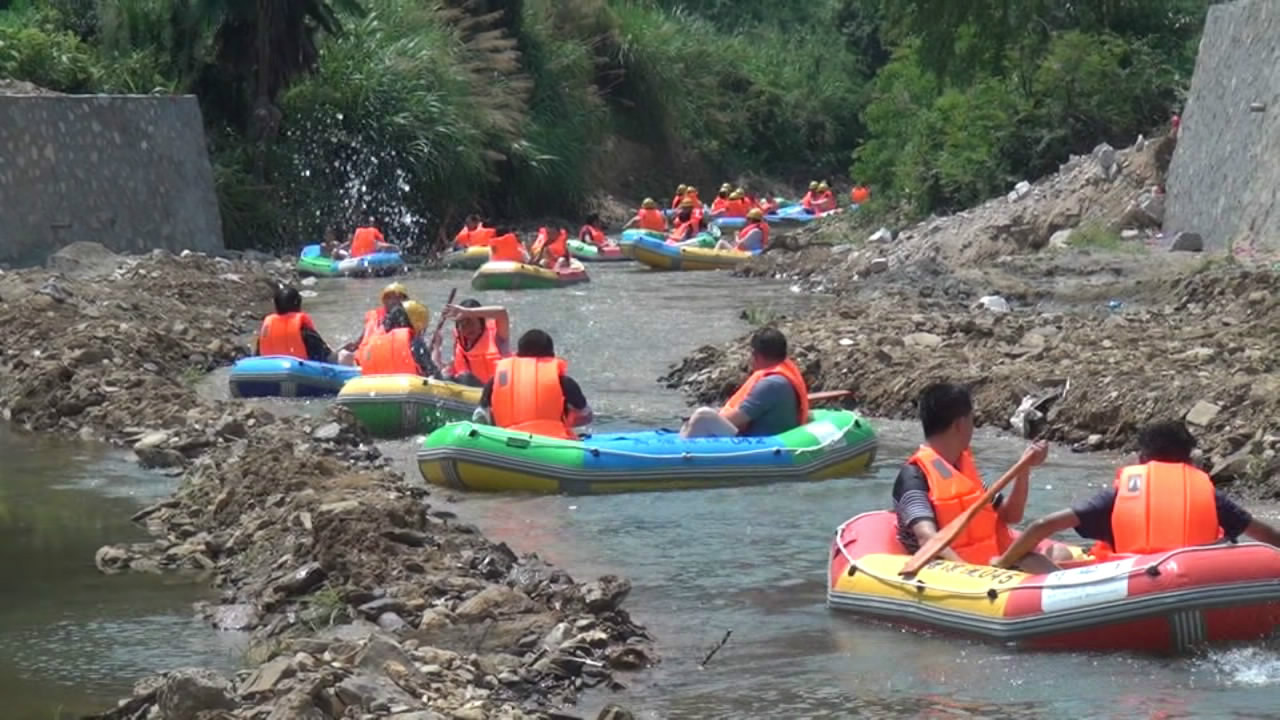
[1224, 181]
[129, 172]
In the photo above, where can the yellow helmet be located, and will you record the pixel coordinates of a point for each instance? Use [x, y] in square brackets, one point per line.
[823, 187]
[690, 190]
[649, 204]
[419, 315]
[681, 188]
[686, 203]
[755, 214]
[394, 288]
[813, 184]
[726, 187]
[737, 194]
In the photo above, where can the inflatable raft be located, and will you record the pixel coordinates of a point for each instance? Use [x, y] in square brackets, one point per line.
[377, 264]
[284, 376]
[1168, 602]
[657, 253]
[836, 443]
[588, 252]
[505, 275]
[401, 405]
[467, 259]
[312, 263]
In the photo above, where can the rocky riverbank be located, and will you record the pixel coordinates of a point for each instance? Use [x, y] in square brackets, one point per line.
[1100, 337]
[362, 599]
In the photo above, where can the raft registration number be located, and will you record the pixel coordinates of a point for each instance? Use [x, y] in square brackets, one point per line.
[1089, 585]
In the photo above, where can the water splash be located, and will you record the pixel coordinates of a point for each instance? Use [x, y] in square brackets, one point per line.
[1244, 667]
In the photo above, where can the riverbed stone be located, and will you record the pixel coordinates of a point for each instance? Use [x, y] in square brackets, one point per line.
[926, 340]
[189, 692]
[492, 601]
[1187, 242]
[1202, 413]
[268, 676]
[606, 594]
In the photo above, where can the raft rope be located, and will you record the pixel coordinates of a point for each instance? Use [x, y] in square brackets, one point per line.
[992, 593]
[687, 455]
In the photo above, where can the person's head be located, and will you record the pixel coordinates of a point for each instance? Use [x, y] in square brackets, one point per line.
[1165, 441]
[397, 317]
[594, 220]
[691, 191]
[947, 408]
[473, 221]
[823, 187]
[681, 188]
[419, 315]
[469, 329]
[393, 294]
[813, 185]
[724, 190]
[649, 204]
[737, 194]
[535, 343]
[768, 348]
[288, 300]
[330, 236]
[755, 215]
[686, 204]
[370, 220]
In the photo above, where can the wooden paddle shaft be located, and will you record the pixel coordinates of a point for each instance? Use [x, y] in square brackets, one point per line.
[440, 325]
[829, 394]
[947, 535]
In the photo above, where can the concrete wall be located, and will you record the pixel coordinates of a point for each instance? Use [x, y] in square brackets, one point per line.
[1224, 181]
[129, 172]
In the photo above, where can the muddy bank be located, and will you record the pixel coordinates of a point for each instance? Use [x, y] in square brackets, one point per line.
[362, 598]
[1108, 334]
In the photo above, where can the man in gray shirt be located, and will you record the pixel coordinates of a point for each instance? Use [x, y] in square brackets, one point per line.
[772, 401]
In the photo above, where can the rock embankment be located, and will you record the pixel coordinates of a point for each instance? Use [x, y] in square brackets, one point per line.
[363, 600]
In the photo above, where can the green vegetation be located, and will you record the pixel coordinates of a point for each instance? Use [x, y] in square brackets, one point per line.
[1096, 236]
[420, 111]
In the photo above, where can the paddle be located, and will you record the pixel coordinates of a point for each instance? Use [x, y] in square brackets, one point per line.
[435, 336]
[828, 395]
[943, 538]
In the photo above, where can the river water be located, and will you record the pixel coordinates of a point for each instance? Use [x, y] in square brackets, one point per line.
[71, 639]
[751, 561]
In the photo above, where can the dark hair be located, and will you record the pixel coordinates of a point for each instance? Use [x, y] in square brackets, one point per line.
[593, 218]
[469, 303]
[473, 218]
[770, 344]
[397, 317]
[288, 299]
[535, 343]
[941, 404]
[1166, 441]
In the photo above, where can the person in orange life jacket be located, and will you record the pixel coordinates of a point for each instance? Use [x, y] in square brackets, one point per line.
[331, 247]
[940, 482]
[481, 337]
[680, 191]
[824, 200]
[593, 231]
[811, 197]
[506, 246]
[753, 237]
[1163, 503]
[518, 406]
[373, 324]
[773, 400]
[551, 252]
[649, 217]
[860, 195]
[402, 349]
[472, 233]
[722, 199]
[737, 205]
[368, 239]
[691, 193]
[289, 331]
[687, 222]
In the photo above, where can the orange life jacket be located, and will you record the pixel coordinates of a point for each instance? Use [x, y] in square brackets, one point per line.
[786, 369]
[651, 220]
[736, 208]
[719, 204]
[860, 195]
[506, 248]
[952, 491]
[682, 231]
[469, 238]
[365, 241]
[391, 353]
[527, 396]
[282, 334]
[768, 205]
[675, 201]
[809, 201]
[1163, 506]
[372, 327]
[555, 249]
[746, 230]
[482, 358]
[594, 235]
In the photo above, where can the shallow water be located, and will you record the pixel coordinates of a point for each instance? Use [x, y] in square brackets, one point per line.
[71, 639]
[752, 560]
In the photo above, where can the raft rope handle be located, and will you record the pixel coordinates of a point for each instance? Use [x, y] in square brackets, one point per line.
[682, 455]
[920, 585]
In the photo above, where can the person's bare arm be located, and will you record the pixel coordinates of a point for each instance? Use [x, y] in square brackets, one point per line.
[1015, 505]
[926, 529]
[1037, 531]
[1263, 532]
